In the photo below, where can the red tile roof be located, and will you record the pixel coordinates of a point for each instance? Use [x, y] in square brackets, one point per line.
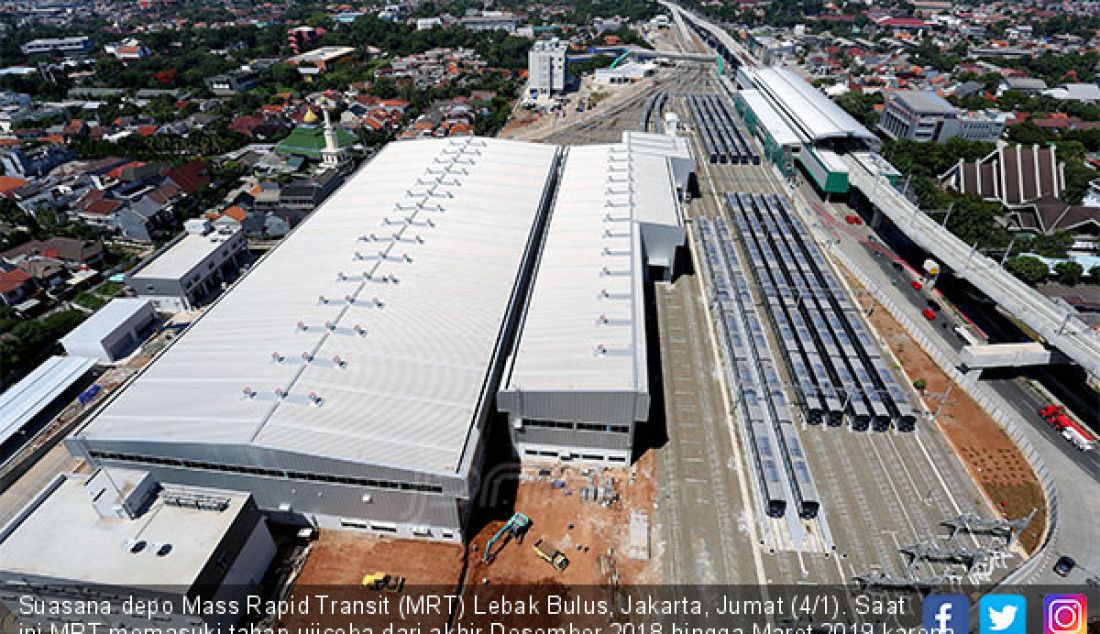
[103, 207]
[236, 213]
[190, 176]
[13, 279]
[8, 184]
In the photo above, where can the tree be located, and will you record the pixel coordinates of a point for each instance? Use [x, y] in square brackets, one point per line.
[1094, 274]
[1069, 273]
[861, 106]
[1028, 268]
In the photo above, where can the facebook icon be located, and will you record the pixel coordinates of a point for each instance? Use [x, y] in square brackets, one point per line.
[945, 614]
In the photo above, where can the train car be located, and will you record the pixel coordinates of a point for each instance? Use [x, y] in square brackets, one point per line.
[773, 489]
[807, 500]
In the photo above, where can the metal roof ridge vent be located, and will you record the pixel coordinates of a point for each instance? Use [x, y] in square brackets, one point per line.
[609, 272]
[606, 294]
[604, 320]
[608, 234]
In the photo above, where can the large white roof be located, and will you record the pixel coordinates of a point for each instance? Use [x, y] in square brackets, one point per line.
[183, 256]
[20, 403]
[585, 324]
[767, 117]
[65, 538]
[405, 393]
[105, 321]
[813, 113]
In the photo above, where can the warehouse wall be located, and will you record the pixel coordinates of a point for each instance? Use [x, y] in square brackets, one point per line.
[335, 497]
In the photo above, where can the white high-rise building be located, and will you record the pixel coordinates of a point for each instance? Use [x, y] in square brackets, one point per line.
[546, 66]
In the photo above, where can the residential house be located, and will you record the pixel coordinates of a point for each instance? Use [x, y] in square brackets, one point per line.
[150, 217]
[35, 162]
[16, 286]
[233, 82]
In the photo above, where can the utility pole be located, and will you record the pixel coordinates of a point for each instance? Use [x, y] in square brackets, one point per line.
[950, 209]
[1004, 258]
[943, 401]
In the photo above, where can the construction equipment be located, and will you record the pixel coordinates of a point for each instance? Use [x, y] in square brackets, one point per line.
[516, 527]
[975, 524]
[550, 553]
[876, 580]
[952, 553]
[383, 582]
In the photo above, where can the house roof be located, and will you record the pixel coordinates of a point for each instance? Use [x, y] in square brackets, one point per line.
[13, 279]
[190, 176]
[103, 207]
[9, 184]
[65, 249]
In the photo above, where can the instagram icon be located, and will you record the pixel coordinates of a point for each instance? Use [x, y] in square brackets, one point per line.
[1065, 614]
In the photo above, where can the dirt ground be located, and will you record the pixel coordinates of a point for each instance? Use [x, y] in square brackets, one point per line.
[990, 456]
[565, 520]
[593, 535]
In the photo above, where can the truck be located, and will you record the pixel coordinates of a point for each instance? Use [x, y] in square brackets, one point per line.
[1057, 417]
[551, 555]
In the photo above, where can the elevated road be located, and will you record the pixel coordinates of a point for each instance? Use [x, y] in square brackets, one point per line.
[714, 34]
[1059, 326]
[644, 53]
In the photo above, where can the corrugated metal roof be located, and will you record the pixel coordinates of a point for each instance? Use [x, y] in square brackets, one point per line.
[767, 116]
[106, 320]
[20, 403]
[585, 324]
[813, 113]
[400, 282]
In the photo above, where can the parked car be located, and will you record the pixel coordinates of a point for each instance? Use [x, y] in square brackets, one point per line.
[1064, 566]
[928, 313]
[853, 219]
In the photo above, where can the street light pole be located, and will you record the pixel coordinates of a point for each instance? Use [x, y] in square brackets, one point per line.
[1004, 258]
[950, 209]
[943, 401]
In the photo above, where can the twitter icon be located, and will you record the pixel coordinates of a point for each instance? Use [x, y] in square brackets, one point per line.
[1002, 614]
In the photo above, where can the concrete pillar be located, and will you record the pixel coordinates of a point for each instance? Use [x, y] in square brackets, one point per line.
[972, 376]
[877, 218]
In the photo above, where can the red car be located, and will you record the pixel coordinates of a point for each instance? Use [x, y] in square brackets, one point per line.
[928, 313]
[853, 219]
[917, 285]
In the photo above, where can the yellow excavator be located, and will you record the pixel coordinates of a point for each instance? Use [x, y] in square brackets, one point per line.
[551, 555]
[383, 582]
